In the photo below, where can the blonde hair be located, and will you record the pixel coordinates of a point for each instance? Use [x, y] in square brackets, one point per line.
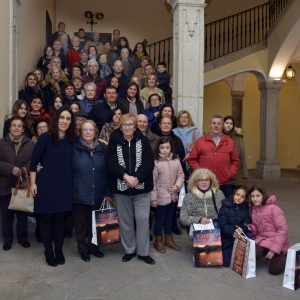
[128, 117]
[200, 173]
[182, 112]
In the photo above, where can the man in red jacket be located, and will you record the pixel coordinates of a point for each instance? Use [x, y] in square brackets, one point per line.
[216, 151]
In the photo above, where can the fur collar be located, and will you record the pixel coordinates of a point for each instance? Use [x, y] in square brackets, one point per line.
[202, 195]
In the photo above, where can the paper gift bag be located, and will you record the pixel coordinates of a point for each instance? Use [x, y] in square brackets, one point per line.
[207, 248]
[243, 259]
[291, 278]
[181, 196]
[105, 225]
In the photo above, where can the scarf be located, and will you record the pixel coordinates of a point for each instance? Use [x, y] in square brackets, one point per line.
[132, 106]
[16, 142]
[92, 146]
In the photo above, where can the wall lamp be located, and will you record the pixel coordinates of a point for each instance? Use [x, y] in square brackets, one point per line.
[290, 72]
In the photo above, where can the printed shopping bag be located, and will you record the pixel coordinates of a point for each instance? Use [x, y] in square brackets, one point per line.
[291, 278]
[105, 225]
[208, 247]
[243, 259]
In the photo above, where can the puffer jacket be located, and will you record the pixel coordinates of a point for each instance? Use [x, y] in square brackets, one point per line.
[167, 172]
[269, 226]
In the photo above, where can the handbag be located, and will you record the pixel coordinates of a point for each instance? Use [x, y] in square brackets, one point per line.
[291, 278]
[243, 259]
[105, 225]
[21, 196]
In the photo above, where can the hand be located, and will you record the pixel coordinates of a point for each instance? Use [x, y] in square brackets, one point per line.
[103, 141]
[205, 221]
[153, 203]
[156, 114]
[238, 233]
[39, 168]
[270, 255]
[33, 189]
[131, 180]
[16, 171]
[173, 189]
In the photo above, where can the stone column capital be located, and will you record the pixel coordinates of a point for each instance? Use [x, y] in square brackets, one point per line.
[186, 3]
[238, 94]
[274, 85]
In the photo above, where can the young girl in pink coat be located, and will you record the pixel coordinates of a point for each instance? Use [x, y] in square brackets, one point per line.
[168, 178]
[269, 229]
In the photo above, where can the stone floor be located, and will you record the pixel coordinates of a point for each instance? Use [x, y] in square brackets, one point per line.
[25, 275]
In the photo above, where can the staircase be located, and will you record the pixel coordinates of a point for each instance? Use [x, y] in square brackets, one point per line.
[227, 35]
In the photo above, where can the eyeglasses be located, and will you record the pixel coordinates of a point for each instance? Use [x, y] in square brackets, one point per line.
[128, 125]
[204, 180]
[88, 129]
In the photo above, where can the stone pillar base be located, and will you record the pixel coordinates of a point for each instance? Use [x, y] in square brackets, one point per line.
[267, 170]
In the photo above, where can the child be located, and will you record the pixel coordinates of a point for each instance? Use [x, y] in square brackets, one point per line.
[163, 79]
[269, 229]
[168, 178]
[36, 108]
[233, 213]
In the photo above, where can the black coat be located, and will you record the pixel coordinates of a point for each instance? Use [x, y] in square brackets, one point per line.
[89, 174]
[101, 113]
[123, 103]
[134, 158]
[230, 216]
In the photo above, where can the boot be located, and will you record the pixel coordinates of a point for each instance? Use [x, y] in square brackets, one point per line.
[158, 244]
[170, 242]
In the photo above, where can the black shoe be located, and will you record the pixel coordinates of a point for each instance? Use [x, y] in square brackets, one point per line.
[147, 259]
[97, 253]
[128, 257]
[50, 259]
[6, 247]
[60, 258]
[176, 231]
[85, 256]
[24, 244]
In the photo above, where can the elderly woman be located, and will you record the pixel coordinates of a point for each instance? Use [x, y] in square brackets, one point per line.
[89, 186]
[130, 164]
[203, 200]
[15, 153]
[91, 99]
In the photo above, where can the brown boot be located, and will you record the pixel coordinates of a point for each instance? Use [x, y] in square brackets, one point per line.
[170, 242]
[158, 244]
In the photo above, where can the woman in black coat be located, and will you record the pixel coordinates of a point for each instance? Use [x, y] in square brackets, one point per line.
[89, 186]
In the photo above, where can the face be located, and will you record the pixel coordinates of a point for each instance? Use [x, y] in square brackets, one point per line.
[115, 82]
[55, 63]
[116, 34]
[88, 133]
[165, 125]
[61, 27]
[75, 42]
[93, 68]
[118, 67]
[161, 69]
[41, 128]
[184, 120]
[122, 42]
[139, 48]
[165, 149]
[84, 56]
[76, 72]
[128, 129]
[38, 75]
[142, 123]
[132, 91]
[111, 96]
[239, 196]
[228, 125]
[216, 126]
[77, 84]
[256, 198]
[64, 121]
[203, 183]
[22, 111]
[57, 103]
[49, 51]
[107, 46]
[92, 51]
[36, 104]
[96, 36]
[16, 129]
[148, 70]
[90, 92]
[116, 117]
[81, 34]
[64, 39]
[124, 53]
[69, 91]
[31, 81]
[56, 74]
[74, 108]
[167, 112]
[57, 45]
[154, 101]
[152, 81]
[144, 62]
[79, 121]
[103, 58]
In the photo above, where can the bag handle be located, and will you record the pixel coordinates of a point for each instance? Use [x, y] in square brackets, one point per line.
[24, 169]
[106, 204]
[214, 202]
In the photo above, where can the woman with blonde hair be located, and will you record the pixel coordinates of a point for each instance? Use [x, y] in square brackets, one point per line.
[203, 200]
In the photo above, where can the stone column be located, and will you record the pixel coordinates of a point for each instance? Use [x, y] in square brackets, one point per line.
[267, 166]
[188, 57]
[237, 107]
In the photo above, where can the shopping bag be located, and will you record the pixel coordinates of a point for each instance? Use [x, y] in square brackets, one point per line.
[291, 278]
[208, 247]
[181, 196]
[105, 225]
[21, 196]
[243, 258]
[198, 226]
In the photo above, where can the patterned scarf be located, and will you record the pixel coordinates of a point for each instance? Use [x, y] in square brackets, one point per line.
[132, 106]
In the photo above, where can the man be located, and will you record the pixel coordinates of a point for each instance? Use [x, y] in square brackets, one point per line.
[58, 52]
[115, 40]
[73, 54]
[82, 38]
[61, 29]
[216, 151]
[101, 112]
[148, 70]
[142, 124]
[93, 76]
[118, 72]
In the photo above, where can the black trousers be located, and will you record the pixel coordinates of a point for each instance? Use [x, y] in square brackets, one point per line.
[8, 220]
[52, 231]
[164, 218]
[82, 219]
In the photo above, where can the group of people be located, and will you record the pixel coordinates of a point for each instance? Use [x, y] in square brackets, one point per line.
[108, 139]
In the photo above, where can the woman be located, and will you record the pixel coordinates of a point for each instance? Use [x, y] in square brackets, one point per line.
[237, 135]
[40, 77]
[203, 200]
[109, 127]
[151, 88]
[52, 186]
[139, 50]
[186, 130]
[130, 164]
[128, 64]
[91, 99]
[40, 126]
[131, 103]
[76, 71]
[89, 186]
[15, 153]
[45, 59]
[166, 110]
[29, 88]
[58, 102]
[69, 93]
[75, 106]
[19, 109]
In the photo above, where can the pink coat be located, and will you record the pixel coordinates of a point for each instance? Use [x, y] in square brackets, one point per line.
[269, 226]
[167, 172]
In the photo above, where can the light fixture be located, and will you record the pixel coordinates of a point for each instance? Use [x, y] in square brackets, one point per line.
[290, 72]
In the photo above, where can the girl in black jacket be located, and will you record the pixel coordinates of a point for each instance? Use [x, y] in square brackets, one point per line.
[233, 213]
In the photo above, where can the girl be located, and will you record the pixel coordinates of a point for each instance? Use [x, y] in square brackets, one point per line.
[168, 179]
[234, 212]
[269, 229]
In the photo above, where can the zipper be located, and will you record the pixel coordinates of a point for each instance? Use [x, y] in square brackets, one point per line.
[129, 154]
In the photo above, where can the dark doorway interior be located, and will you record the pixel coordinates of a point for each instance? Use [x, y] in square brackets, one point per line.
[48, 28]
